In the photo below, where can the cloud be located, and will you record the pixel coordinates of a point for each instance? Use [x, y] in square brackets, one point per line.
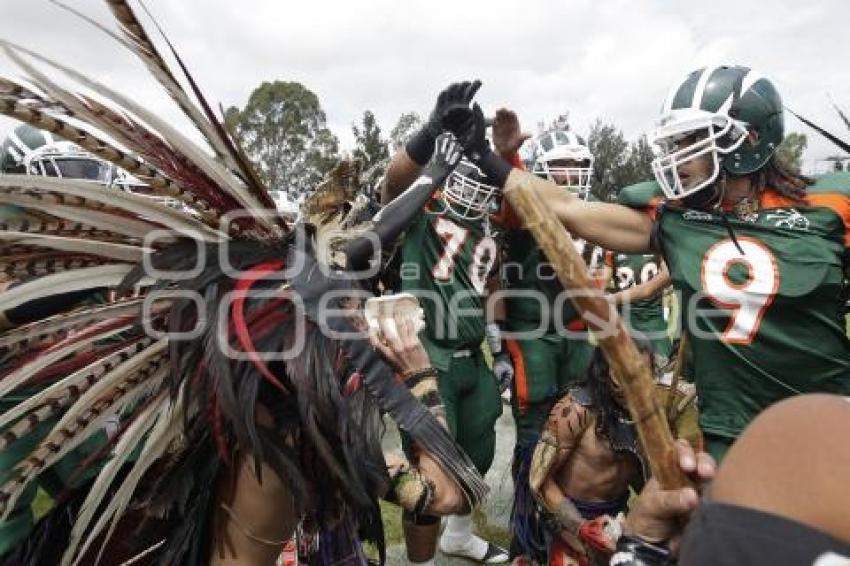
[609, 59]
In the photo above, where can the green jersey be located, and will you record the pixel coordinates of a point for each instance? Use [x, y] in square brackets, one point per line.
[446, 261]
[763, 298]
[632, 270]
[536, 299]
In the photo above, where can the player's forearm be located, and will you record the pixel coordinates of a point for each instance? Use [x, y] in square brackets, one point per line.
[496, 307]
[647, 290]
[612, 226]
[403, 170]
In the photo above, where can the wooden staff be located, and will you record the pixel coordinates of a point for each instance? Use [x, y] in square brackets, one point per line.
[627, 363]
[671, 407]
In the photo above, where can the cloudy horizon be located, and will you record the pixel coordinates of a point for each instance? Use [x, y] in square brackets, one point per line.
[613, 60]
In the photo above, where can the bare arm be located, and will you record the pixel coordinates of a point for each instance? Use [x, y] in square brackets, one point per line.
[425, 486]
[612, 226]
[645, 290]
[558, 441]
[403, 170]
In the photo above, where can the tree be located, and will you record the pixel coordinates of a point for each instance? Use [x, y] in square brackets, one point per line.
[284, 130]
[406, 125]
[639, 163]
[616, 163]
[610, 155]
[790, 151]
[369, 147]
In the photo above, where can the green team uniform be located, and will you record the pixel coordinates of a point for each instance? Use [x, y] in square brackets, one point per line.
[768, 323]
[446, 261]
[546, 362]
[559, 352]
[645, 315]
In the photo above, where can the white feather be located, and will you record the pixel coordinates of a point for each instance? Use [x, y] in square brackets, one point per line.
[28, 470]
[136, 205]
[65, 282]
[134, 434]
[18, 377]
[108, 250]
[166, 429]
[78, 379]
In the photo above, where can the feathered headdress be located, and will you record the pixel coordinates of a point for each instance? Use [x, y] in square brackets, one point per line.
[232, 317]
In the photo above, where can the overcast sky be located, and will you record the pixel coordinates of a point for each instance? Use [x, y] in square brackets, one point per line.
[609, 59]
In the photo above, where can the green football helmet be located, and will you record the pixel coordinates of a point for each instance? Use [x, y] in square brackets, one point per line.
[719, 107]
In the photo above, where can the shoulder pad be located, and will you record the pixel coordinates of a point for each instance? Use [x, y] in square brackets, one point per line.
[838, 182]
[640, 195]
[582, 396]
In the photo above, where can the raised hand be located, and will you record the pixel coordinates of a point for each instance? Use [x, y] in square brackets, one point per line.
[508, 137]
[451, 113]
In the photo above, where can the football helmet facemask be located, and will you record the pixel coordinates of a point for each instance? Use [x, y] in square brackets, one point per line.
[467, 193]
[564, 158]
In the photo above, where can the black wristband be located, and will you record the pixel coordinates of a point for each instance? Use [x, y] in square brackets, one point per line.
[634, 551]
[496, 169]
[420, 146]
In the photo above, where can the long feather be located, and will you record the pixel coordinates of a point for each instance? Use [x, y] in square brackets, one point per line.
[65, 282]
[136, 41]
[123, 385]
[87, 220]
[157, 180]
[218, 174]
[67, 389]
[129, 441]
[49, 328]
[25, 371]
[161, 436]
[137, 206]
[834, 139]
[116, 252]
[24, 266]
[841, 113]
[234, 155]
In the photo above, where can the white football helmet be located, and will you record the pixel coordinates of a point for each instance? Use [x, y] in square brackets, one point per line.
[564, 158]
[31, 151]
[467, 193]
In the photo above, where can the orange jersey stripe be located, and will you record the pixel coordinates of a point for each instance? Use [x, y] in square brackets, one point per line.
[836, 201]
[520, 377]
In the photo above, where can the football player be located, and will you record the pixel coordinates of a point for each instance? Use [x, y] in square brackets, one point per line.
[544, 363]
[639, 281]
[447, 257]
[756, 250]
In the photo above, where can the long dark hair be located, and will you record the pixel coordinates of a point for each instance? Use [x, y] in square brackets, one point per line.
[779, 176]
[598, 384]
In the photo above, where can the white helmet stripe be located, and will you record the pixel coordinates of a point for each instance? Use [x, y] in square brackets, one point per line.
[24, 148]
[749, 80]
[700, 88]
[668, 102]
[16, 155]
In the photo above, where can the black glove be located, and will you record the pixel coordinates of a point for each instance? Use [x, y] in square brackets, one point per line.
[477, 149]
[451, 113]
[395, 217]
